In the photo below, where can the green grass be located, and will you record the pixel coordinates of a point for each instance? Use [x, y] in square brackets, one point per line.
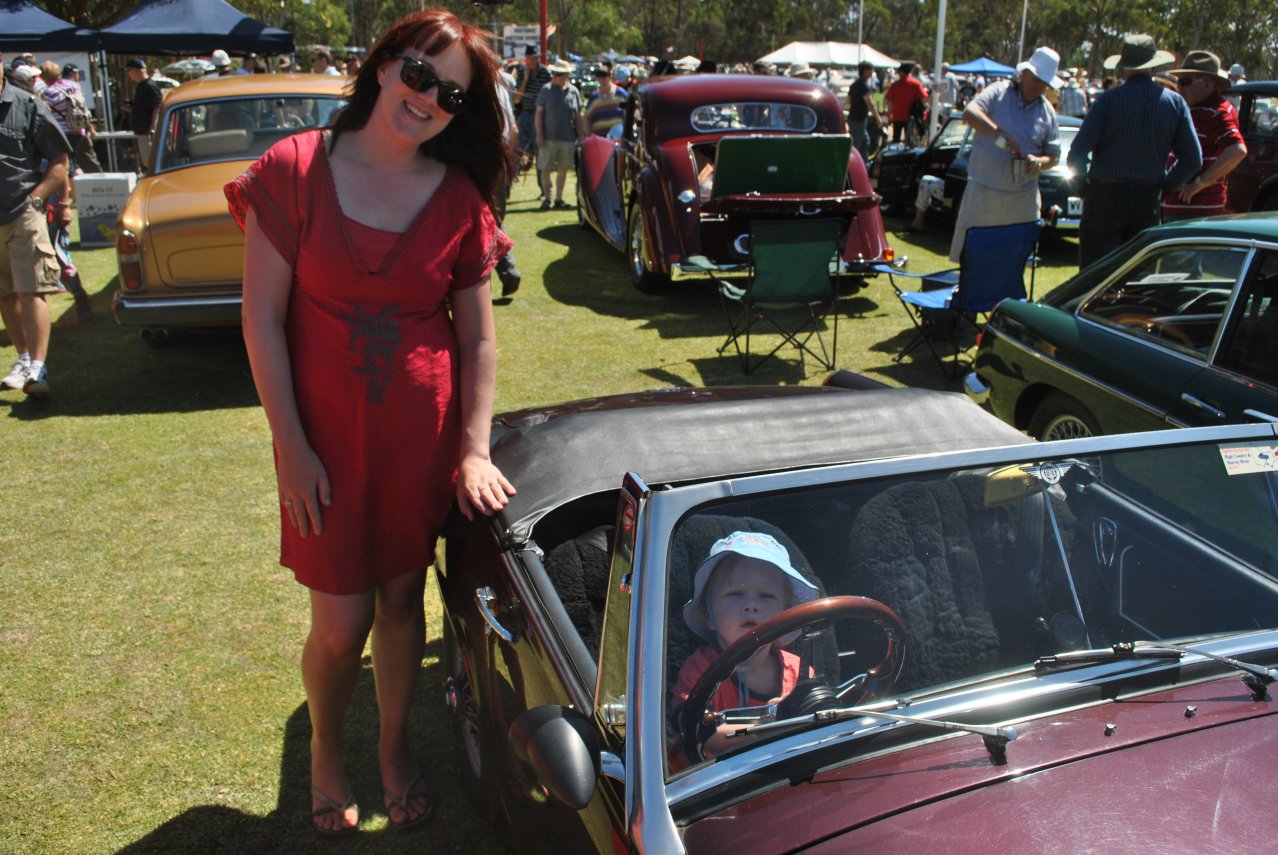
[149, 640]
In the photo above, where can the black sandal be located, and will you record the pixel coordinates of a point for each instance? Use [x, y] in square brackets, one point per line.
[416, 789]
[331, 806]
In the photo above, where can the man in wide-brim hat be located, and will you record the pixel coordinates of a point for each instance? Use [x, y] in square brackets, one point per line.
[1139, 54]
[1128, 175]
[1202, 83]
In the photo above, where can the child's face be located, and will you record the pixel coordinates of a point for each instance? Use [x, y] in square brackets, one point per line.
[744, 592]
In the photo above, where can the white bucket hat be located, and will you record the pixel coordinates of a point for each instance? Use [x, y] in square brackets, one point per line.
[221, 59]
[751, 544]
[1043, 65]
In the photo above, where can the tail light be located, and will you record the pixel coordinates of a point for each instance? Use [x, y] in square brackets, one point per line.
[130, 259]
[889, 254]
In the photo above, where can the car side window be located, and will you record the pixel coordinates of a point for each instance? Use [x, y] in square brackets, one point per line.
[1264, 115]
[1176, 297]
[1251, 345]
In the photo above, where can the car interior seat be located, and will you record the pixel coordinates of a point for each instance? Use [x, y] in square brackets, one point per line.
[966, 580]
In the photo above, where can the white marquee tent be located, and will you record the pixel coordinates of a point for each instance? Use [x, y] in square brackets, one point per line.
[828, 53]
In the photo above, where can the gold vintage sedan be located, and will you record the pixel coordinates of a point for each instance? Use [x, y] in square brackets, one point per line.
[181, 255]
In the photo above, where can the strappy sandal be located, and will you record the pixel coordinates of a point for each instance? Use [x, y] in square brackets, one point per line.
[416, 789]
[332, 806]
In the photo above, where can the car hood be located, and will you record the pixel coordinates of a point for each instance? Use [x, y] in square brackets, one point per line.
[187, 229]
[1137, 775]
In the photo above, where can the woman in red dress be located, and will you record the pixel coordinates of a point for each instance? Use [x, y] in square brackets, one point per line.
[368, 321]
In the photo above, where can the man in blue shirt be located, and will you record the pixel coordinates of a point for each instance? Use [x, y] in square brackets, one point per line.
[1128, 132]
[1015, 136]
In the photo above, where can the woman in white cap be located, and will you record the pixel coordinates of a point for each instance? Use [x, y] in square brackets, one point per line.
[746, 579]
[1015, 137]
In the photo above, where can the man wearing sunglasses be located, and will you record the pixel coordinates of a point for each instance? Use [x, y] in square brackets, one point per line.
[556, 119]
[1203, 83]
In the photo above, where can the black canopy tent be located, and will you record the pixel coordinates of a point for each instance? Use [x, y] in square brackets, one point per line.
[176, 27]
[26, 27]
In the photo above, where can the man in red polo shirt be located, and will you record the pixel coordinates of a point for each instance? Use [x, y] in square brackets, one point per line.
[900, 98]
[1202, 84]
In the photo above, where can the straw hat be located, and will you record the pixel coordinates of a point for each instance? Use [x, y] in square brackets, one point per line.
[560, 67]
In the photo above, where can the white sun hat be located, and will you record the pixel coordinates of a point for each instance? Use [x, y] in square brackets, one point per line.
[751, 544]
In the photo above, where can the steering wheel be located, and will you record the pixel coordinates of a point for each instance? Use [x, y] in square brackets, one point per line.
[826, 609]
[1156, 327]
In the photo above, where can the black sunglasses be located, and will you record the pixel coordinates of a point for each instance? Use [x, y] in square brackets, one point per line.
[420, 76]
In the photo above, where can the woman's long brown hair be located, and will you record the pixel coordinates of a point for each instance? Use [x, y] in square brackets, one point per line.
[476, 138]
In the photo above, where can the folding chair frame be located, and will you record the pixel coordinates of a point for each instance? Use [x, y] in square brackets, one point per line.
[745, 316]
[943, 316]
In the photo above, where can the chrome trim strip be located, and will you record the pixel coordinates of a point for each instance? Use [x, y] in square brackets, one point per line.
[1229, 307]
[1085, 378]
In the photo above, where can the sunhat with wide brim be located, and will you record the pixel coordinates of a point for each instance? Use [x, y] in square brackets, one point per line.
[1138, 53]
[560, 67]
[1202, 62]
[1043, 64]
[751, 544]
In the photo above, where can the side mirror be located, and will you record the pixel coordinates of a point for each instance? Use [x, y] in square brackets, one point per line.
[562, 748]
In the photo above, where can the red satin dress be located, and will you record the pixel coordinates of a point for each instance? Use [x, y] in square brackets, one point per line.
[373, 356]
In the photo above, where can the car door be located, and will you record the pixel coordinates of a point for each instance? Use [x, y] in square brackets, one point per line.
[1147, 334]
[1241, 382]
[1253, 185]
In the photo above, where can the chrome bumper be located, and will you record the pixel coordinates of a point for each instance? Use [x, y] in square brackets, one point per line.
[131, 311]
[975, 389]
[698, 267]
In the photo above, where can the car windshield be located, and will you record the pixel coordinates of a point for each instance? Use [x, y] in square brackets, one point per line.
[753, 116]
[238, 128]
[985, 568]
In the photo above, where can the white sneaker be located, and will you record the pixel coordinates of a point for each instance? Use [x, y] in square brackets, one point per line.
[16, 378]
[37, 385]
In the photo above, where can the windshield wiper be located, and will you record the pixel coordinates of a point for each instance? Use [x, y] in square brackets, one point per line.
[995, 738]
[1257, 678]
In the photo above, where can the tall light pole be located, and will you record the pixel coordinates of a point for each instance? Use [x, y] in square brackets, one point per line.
[934, 119]
[1020, 52]
[860, 33]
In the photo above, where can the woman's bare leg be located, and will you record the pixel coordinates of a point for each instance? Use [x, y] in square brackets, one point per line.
[330, 666]
[399, 631]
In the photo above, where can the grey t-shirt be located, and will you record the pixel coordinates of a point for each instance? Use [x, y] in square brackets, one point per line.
[28, 135]
[560, 106]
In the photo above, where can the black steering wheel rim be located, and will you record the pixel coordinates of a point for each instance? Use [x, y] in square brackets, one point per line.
[825, 609]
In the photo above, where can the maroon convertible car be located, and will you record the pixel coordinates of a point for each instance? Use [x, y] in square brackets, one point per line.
[1005, 646]
[699, 157]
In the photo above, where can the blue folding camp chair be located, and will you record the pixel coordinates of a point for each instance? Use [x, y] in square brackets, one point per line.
[790, 276]
[991, 269]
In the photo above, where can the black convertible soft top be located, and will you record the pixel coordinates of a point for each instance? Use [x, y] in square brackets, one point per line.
[556, 455]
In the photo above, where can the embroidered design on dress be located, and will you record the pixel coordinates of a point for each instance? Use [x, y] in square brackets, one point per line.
[375, 339]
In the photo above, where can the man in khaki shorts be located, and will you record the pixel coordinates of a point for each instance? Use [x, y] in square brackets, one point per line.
[30, 140]
[558, 106]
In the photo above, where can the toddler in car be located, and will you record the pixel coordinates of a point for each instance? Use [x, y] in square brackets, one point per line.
[746, 579]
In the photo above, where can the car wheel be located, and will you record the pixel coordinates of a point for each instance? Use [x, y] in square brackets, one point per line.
[1059, 416]
[474, 758]
[644, 279]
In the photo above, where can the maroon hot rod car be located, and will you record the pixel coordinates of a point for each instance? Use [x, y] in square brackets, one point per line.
[700, 157]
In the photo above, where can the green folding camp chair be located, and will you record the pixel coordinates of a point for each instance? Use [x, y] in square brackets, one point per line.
[790, 276]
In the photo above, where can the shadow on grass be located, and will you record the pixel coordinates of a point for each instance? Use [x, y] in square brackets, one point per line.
[455, 827]
[100, 368]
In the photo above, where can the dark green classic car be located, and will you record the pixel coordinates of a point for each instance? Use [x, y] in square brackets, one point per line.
[1179, 327]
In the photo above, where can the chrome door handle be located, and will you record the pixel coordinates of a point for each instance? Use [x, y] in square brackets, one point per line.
[1202, 405]
[1257, 415]
[485, 599]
